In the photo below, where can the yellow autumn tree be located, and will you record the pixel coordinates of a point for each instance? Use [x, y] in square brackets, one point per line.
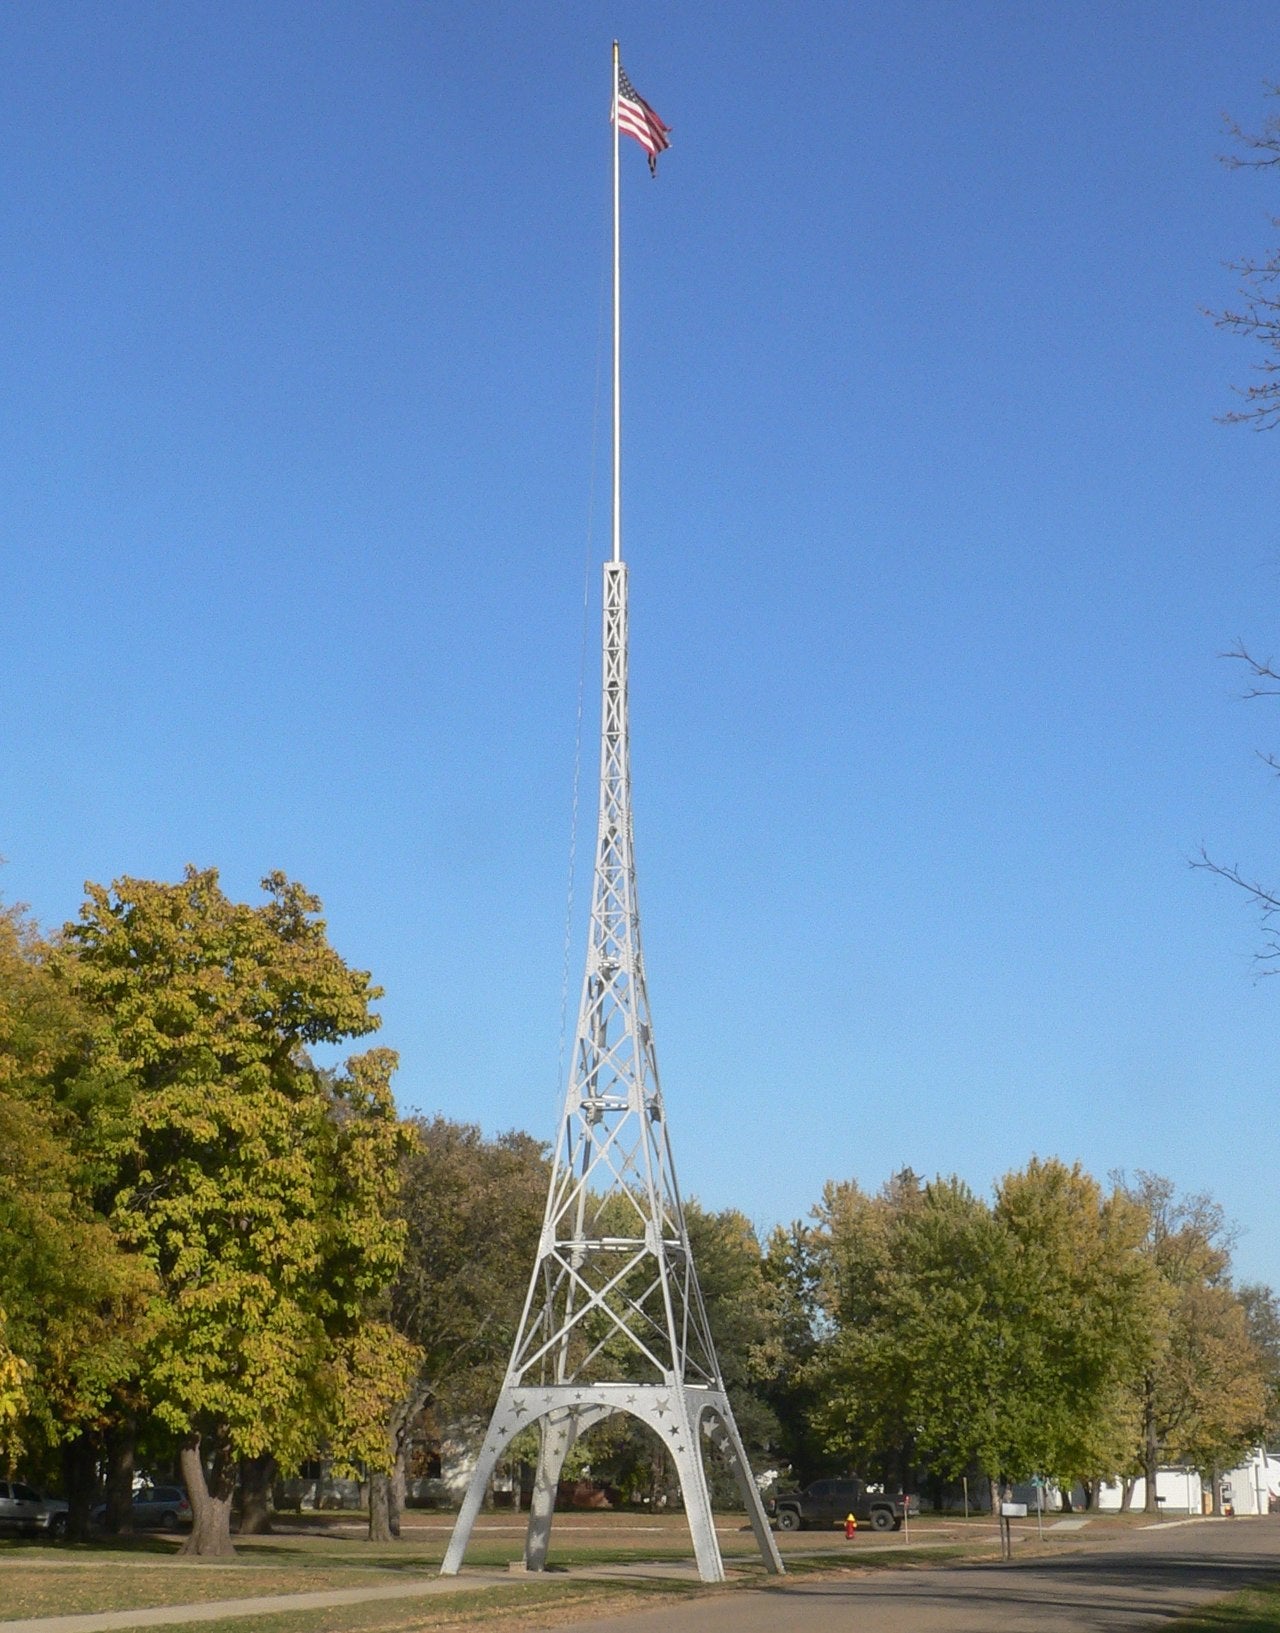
[71, 1292]
[13, 1394]
[257, 1186]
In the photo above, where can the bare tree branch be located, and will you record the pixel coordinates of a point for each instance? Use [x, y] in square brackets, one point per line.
[1259, 318]
[1268, 901]
[1261, 668]
[1263, 145]
[1265, 899]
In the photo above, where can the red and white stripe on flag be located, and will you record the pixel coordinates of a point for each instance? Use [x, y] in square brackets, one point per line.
[637, 119]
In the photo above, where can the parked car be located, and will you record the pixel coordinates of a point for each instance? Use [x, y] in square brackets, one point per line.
[154, 1507]
[53, 1515]
[26, 1510]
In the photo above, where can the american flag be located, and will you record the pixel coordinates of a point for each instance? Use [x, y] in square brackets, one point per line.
[636, 118]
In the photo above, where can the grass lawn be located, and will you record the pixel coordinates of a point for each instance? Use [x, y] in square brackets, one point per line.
[1252, 1610]
[147, 1572]
[540, 1606]
[102, 1579]
[319, 1553]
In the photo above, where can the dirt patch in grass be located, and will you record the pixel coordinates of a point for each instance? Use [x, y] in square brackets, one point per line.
[810, 1566]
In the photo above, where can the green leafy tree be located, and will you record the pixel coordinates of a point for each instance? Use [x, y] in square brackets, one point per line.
[951, 1368]
[744, 1315]
[1084, 1296]
[472, 1209]
[257, 1187]
[858, 1377]
[72, 1297]
[1203, 1393]
[14, 1372]
[962, 1335]
[1262, 1319]
[791, 1269]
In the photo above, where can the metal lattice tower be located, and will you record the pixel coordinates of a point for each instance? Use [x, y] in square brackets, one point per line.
[614, 1319]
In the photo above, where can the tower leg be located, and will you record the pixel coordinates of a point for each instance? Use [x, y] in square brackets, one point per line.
[559, 1431]
[480, 1477]
[686, 1452]
[556, 1438]
[724, 1436]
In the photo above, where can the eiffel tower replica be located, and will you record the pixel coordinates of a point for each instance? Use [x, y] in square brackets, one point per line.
[614, 1321]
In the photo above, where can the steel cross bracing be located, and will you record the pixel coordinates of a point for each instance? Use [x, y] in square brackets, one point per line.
[614, 1319]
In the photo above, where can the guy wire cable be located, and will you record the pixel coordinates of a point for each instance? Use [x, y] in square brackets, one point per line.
[582, 673]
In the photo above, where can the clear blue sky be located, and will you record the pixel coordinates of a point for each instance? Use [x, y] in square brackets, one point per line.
[934, 544]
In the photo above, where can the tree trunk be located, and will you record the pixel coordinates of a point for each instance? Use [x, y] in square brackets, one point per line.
[79, 1480]
[380, 1508]
[385, 1496]
[657, 1479]
[1064, 1491]
[1150, 1448]
[256, 1477]
[1215, 1488]
[1126, 1492]
[121, 1447]
[210, 1498]
[399, 1482]
[386, 1507]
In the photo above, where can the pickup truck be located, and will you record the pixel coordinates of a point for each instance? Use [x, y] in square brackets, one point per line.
[830, 1502]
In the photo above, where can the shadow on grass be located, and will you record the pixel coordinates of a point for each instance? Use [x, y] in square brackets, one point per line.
[151, 1544]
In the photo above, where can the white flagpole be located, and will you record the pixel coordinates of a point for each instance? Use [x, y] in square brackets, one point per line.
[617, 332]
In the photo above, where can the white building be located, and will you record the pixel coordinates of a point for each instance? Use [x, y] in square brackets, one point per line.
[1253, 1488]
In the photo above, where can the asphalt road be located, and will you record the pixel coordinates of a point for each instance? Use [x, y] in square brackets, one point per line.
[1132, 1583]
